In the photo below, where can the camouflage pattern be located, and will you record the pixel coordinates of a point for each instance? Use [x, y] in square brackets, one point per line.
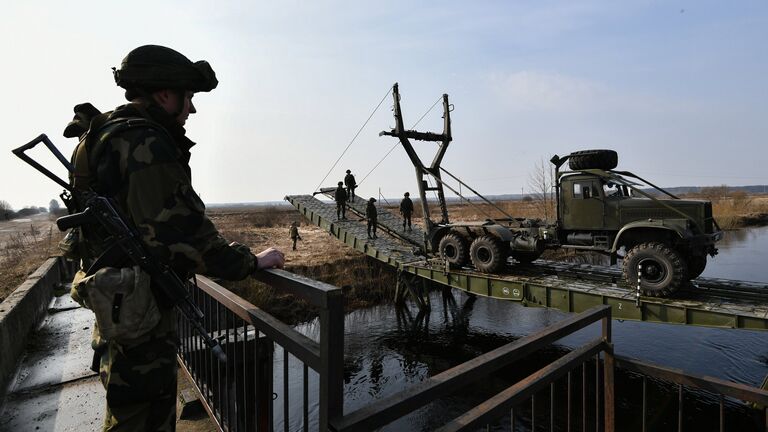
[140, 383]
[294, 233]
[146, 169]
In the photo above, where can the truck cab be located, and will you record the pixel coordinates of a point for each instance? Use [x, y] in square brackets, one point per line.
[663, 240]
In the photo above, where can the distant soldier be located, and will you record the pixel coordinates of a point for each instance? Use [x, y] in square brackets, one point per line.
[372, 215]
[406, 209]
[341, 202]
[349, 181]
[294, 233]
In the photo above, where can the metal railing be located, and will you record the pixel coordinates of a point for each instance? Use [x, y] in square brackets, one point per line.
[757, 398]
[388, 409]
[573, 392]
[241, 393]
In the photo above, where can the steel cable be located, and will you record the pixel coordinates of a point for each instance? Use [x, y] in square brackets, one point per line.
[396, 144]
[353, 140]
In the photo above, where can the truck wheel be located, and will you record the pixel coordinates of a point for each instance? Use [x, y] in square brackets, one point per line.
[696, 266]
[526, 257]
[662, 269]
[453, 248]
[593, 159]
[488, 254]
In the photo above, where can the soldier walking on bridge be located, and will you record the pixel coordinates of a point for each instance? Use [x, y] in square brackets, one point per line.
[372, 215]
[294, 233]
[341, 202]
[406, 209]
[349, 181]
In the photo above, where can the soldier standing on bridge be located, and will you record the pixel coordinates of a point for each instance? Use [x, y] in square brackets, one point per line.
[349, 181]
[341, 202]
[139, 154]
[294, 232]
[372, 215]
[406, 209]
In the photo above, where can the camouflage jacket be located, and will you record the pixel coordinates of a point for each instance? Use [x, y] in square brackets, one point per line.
[406, 206]
[349, 180]
[146, 169]
[340, 195]
[294, 232]
[370, 211]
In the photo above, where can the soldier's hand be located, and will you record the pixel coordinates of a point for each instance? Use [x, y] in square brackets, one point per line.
[270, 258]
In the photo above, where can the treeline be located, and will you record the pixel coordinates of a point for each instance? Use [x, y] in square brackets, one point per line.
[8, 213]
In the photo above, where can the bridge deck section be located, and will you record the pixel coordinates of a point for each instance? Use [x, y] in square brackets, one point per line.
[54, 389]
[539, 284]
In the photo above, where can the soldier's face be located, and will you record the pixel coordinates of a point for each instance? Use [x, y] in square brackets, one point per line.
[170, 101]
[189, 108]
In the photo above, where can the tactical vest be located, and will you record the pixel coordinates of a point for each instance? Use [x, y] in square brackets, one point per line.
[91, 147]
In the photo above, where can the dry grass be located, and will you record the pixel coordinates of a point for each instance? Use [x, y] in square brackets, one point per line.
[740, 210]
[318, 256]
[24, 247]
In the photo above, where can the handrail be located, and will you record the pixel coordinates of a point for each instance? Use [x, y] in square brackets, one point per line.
[315, 292]
[711, 384]
[304, 348]
[499, 404]
[247, 401]
[397, 405]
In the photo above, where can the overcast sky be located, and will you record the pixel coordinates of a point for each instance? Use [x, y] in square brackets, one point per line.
[679, 89]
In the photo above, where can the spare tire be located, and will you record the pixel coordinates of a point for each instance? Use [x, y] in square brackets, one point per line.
[593, 159]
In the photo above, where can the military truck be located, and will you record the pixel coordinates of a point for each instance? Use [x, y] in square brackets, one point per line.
[662, 240]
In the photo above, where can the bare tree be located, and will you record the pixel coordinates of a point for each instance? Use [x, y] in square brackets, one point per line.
[541, 182]
[53, 206]
[5, 210]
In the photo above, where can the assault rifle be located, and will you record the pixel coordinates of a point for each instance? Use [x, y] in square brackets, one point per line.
[89, 208]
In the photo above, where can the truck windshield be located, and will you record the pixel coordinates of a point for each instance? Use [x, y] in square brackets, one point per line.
[611, 190]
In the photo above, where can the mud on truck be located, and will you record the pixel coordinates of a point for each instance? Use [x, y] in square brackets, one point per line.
[663, 240]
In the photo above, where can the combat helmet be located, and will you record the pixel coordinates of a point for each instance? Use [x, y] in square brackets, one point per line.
[153, 67]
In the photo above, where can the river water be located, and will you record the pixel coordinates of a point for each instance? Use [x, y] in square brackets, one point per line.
[387, 350]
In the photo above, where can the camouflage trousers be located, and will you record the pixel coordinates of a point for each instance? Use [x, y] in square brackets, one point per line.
[141, 385]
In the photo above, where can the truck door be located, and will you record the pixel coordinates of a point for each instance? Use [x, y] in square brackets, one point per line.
[586, 205]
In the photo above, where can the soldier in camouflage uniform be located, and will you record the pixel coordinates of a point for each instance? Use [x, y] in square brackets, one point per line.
[294, 233]
[139, 154]
[340, 195]
[372, 215]
[351, 184]
[406, 209]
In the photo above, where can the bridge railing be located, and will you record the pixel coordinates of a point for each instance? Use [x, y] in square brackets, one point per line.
[246, 393]
[447, 383]
[755, 398]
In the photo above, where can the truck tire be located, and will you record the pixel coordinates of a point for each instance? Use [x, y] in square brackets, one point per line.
[488, 254]
[696, 266]
[453, 249]
[593, 159]
[526, 257]
[662, 270]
